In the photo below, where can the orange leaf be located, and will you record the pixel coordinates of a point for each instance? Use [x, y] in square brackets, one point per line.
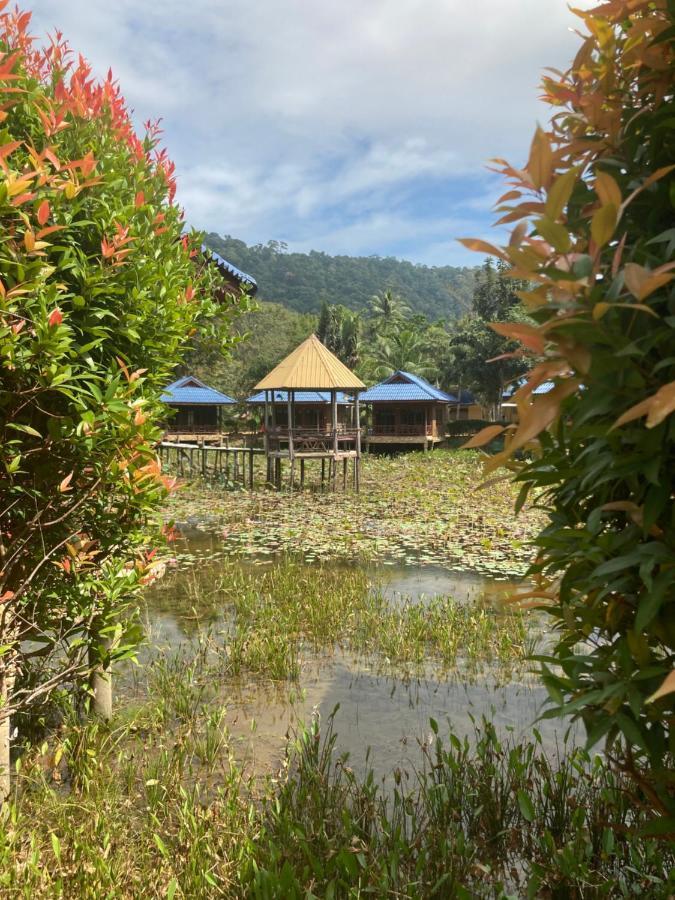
[65, 484]
[510, 195]
[527, 335]
[29, 241]
[607, 190]
[603, 224]
[536, 418]
[656, 408]
[55, 318]
[481, 247]
[8, 595]
[43, 212]
[635, 276]
[139, 199]
[484, 436]
[540, 162]
[653, 283]
[667, 687]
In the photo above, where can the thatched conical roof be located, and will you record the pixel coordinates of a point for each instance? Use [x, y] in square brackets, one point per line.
[311, 366]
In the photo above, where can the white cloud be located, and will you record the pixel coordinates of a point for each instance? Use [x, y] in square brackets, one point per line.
[281, 114]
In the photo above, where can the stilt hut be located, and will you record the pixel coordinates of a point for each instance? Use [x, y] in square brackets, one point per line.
[406, 410]
[197, 410]
[311, 367]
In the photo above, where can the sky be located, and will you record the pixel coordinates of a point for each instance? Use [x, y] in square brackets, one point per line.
[360, 127]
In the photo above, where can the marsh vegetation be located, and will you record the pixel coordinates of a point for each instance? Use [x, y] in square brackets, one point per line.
[338, 726]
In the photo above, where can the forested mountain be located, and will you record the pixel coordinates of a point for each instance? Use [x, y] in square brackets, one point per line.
[304, 281]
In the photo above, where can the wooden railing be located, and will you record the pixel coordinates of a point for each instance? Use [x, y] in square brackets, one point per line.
[307, 440]
[402, 430]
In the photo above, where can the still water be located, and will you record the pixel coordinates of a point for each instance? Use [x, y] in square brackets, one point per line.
[384, 713]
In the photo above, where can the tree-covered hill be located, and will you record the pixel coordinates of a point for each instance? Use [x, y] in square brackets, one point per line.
[303, 281]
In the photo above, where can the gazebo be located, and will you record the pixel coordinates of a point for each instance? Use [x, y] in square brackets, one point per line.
[311, 367]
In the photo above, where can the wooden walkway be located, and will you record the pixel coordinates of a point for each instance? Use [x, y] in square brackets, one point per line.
[212, 461]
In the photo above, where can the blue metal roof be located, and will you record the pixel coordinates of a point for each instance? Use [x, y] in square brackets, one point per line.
[228, 267]
[543, 388]
[410, 389]
[190, 391]
[300, 397]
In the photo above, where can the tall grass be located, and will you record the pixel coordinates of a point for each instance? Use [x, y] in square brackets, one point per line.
[479, 818]
[143, 810]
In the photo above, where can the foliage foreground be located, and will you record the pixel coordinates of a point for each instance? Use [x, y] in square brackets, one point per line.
[99, 292]
[595, 238]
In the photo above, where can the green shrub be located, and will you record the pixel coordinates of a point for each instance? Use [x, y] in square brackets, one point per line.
[99, 292]
[595, 235]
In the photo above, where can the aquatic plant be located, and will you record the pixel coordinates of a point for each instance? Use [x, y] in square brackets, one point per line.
[135, 811]
[414, 508]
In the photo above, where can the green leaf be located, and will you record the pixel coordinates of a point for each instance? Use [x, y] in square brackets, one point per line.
[526, 806]
[161, 846]
[27, 429]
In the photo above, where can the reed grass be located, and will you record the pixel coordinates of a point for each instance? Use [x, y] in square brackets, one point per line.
[273, 615]
[140, 809]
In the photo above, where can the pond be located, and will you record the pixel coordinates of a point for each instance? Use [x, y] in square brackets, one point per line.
[385, 705]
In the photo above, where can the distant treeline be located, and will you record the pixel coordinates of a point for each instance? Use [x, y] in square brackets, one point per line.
[305, 281]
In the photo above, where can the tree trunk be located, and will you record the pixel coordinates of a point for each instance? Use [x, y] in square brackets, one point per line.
[100, 682]
[7, 676]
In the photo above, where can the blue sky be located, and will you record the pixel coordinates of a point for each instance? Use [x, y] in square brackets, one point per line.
[360, 127]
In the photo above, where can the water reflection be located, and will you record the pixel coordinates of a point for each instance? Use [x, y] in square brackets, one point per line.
[382, 712]
[381, 716]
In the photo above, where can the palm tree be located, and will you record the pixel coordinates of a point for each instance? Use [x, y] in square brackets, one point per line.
[388, 308]
[402, 350]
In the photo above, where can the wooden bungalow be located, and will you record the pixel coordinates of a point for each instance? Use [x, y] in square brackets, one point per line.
[464, 405]
[311, 367]
[198, 410]
[406, 410]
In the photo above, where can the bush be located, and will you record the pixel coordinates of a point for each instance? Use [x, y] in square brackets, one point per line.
[99, 291]
[595, 235]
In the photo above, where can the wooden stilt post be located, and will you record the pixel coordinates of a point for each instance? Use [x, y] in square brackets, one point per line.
[323, 472]
[302, 474]
[333, 398]
[357, 461]
[344, 473]
[291, 449]
[250, 468]
[266, 438]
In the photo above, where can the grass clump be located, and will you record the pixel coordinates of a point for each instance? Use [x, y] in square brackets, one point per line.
[276, 615]
[481, 818]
